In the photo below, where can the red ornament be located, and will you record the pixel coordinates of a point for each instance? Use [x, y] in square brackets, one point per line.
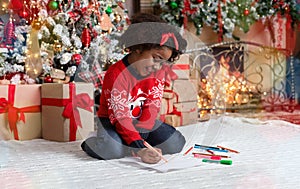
[246, 12]
[76, 58]
[9, 32]
[281, 3]
[23, 14]
[15, 5]
[86, 37]
[48, 79]
[196, 1]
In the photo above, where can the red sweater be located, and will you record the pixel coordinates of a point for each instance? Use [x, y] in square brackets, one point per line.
[127, 96]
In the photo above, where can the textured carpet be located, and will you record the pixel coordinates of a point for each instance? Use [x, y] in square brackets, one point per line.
[269, 158]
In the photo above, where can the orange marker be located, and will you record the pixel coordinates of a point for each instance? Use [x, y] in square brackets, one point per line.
[230, 150]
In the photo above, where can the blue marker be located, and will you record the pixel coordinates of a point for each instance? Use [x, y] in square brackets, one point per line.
[209, 148]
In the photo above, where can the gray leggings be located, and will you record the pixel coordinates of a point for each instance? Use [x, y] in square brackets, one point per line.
[109, 145]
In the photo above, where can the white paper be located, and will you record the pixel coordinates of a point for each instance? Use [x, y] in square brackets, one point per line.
[175, 162]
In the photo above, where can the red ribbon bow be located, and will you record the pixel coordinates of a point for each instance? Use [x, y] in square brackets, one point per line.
[170, 74]
[165, 37]
[7, 106]
[71, 105]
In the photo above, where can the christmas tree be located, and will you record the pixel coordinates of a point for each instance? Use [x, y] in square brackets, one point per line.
[57, 40]
[226, 15]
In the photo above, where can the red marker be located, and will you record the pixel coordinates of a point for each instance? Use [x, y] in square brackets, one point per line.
[188, 150]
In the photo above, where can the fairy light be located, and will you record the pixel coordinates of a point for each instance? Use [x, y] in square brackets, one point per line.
[4, 7]
[222, 87]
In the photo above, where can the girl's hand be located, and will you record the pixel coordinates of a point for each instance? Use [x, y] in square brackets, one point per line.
[148, 156]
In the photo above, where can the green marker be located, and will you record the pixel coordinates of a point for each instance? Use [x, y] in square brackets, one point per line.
[222, 161]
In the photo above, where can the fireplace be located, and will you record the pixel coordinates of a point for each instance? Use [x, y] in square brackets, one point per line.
[244, 77]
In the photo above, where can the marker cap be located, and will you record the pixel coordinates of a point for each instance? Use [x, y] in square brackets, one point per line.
[226, 161]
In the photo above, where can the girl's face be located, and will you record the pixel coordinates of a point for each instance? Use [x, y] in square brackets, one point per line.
[151, 60]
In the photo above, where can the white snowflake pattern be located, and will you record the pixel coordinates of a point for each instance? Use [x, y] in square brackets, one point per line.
[157, 91]
[117, 100]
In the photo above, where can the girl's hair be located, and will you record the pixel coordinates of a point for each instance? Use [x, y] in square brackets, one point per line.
[146, 32]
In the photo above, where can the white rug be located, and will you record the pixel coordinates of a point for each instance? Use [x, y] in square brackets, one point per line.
[269, 158]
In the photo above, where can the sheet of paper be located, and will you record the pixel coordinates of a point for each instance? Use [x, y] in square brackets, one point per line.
[175, 162]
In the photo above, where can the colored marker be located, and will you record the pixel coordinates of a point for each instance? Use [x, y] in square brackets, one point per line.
[188, 150]
[207, 157]
[203, 146]
[210, 148]
[222, 161]
[230, 150]
[210, 155]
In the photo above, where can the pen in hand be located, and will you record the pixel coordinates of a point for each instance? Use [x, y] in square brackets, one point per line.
[153, 149]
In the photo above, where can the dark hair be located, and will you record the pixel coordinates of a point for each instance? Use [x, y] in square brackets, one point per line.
[146, 32]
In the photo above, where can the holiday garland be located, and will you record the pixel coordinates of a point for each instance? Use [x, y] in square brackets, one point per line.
[226, 15]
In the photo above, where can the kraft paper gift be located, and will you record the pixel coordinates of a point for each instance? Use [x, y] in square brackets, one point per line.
[169, 98]
[182, 67]
[67, 111]
[188, 110]
[20, 112]
[184, 113]
[185, 90]
[184, 118]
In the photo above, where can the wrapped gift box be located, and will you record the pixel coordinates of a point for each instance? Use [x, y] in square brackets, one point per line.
[186, 106]
[185, 90]
[182, 67]
[20, 112]
[184, 113]
[189, 111]
[67, 111]
[169, 98]
[184, 118]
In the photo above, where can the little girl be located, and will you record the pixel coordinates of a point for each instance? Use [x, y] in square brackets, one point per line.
[131, 95]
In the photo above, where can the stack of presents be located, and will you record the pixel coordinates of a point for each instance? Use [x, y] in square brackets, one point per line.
[65, 112]
[179, 102]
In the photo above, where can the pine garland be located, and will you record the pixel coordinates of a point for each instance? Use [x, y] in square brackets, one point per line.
[234, 13]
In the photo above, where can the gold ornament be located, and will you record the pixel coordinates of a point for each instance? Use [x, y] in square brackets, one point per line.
[4, 7]
[118, 18]
[57, 46]
[37, 24]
